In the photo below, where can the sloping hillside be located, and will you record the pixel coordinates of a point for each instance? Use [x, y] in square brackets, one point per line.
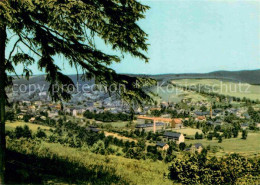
[246, 76]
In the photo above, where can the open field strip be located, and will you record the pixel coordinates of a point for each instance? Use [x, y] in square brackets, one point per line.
[248, 147]
[224, 87]
[32, 126]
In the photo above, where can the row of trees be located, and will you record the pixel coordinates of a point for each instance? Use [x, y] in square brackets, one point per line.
[107, 116]
[25, 132]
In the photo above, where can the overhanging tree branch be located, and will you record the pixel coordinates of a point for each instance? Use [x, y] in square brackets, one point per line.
[15, 44]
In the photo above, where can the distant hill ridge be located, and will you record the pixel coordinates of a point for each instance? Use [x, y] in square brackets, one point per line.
[245, 76]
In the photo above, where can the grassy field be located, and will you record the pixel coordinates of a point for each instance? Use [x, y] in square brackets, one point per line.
[33, 127]
[84, 167]
[188, 131]
[173, 94]
[118, 124]
[118, 136]
[224, 87]
[248, 147]
[133, 171]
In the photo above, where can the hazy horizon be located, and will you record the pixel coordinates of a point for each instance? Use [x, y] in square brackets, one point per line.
[160, 73]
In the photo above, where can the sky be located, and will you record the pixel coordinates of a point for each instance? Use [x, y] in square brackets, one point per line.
[194, 36]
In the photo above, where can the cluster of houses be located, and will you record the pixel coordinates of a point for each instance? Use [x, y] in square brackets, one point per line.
[165, 123]
[116, 106]
[177, 138]
[35, 108]
[154, 124]
[201, 116]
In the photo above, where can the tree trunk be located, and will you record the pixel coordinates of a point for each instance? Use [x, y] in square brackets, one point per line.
[3, 38]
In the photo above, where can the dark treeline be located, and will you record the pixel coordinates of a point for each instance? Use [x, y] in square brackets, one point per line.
[169, 110]
[255, 115]
[107, 116]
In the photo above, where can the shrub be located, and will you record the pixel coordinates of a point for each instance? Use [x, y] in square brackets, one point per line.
[182, 146]
[40, 133]
[24, 132]
[198, 136]
[98, 148]
[220, 139]
[244, 134]
[197, 169]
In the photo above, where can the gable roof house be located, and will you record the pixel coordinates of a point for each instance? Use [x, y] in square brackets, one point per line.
[198, 147]
[20, 116]
[32, 120]
[92, 128]
[200, 118]
[172, 136]
[53, 114]
[176, 123]
[162, 146]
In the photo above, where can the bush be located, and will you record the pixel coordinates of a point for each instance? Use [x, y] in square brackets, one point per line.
[98, 148]
[26, 118]
[210, 136]
[10, 115]
[40, 133]
[182, 146]
[244, 134]
[197, 169]
[198, 136]
[24, 132]
[220, 139]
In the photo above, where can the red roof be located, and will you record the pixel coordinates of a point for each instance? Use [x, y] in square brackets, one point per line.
[155, 118]
[177, 121]
[201, 117]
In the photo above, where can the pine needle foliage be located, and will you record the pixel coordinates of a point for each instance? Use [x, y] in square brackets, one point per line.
[69, 28]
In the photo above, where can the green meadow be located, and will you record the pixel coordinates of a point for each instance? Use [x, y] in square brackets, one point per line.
[224, 87]
[32, 126]
[174, 94]
[117, 124]
[187, 131]
[249, 147]
[80, 166]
